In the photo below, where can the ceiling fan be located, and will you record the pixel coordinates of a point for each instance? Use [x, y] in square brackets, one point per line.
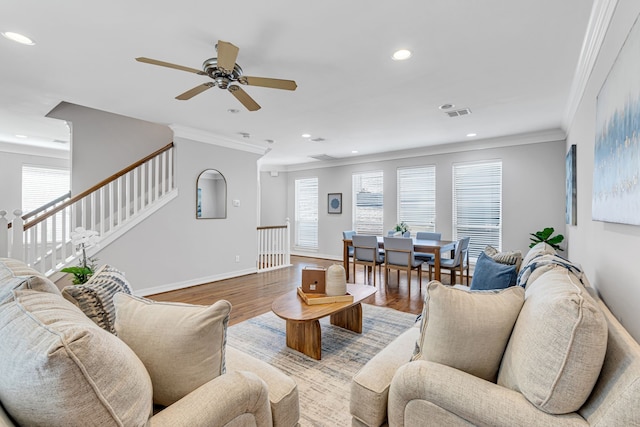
[225, 72]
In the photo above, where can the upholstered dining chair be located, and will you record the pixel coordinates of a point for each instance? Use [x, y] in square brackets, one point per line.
[460, 261]
[399, 255]
[366, 253]
[348, 235]
[392, 233]
[426, 235]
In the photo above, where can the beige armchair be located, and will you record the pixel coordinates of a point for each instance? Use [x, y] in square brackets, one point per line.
[58, 367]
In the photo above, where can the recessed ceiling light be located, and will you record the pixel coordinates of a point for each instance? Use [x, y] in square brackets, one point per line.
[354, 151]
[471, 134]
[401, 55]
[306, 135]
[21, 136]
[18, 38]
[446, 106]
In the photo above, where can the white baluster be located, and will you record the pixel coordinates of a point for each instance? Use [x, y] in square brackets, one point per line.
[17, 227]
[4, 235]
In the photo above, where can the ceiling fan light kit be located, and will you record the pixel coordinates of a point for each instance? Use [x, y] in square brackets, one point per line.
[224, 72]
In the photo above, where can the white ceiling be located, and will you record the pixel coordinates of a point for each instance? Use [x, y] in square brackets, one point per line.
[512, 62]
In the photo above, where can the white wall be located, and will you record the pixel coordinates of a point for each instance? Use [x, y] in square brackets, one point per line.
[103, 143]
[608, 252]
[273, 199]
[533, 192]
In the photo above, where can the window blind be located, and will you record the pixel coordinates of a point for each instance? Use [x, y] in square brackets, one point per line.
[306, 203]
[42, 184]
[417, 198]
[368, 203]
[477, 205]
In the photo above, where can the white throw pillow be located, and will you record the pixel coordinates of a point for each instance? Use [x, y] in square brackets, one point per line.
[467, 330]
[181, 345]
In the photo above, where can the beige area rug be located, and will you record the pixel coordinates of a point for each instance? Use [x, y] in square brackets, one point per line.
[323, 385]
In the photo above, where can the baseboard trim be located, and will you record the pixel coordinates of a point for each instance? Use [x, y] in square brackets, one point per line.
[193, 282]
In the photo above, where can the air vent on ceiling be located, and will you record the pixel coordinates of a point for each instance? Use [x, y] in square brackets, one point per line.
[458, 113]
[317, 139]
[59, 141]
[323, 157]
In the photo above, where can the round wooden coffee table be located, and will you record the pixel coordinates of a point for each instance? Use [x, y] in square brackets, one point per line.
[303, 327]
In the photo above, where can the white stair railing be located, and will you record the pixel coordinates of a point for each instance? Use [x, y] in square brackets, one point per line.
[108, 208]
[274, 249]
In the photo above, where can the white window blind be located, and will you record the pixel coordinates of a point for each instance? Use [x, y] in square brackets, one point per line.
[368, 203]
[417, 198]
[41, 184]
[477, 205]
[306, 213]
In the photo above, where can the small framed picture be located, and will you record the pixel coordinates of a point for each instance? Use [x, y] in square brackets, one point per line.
[334, 203]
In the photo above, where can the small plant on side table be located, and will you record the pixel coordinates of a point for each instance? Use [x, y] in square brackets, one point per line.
[547, 237]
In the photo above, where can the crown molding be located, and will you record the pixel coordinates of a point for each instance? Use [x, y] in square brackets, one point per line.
[200, 135]
[549, 135]
[601, 15]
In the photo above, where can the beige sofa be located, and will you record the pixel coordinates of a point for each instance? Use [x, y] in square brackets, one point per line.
[58, 367]
[551, 372]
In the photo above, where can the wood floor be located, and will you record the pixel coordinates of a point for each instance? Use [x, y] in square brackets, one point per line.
[252, 295]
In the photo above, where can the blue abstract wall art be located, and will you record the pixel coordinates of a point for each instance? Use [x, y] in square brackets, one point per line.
[616, 172]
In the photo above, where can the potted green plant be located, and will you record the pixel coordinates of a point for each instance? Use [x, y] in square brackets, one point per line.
[402, 227]
[546, 236]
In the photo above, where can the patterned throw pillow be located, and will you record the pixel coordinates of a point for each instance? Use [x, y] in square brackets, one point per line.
[509, 257]
[467, 330]
[95, 298]
[181, 345]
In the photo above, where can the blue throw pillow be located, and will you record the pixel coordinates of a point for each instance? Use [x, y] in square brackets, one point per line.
[489, 274]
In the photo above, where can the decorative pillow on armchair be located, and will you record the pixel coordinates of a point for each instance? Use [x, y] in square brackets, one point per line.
[60, 369]
[507, 257]
[181, 345]
[467, 330]
[95, 298]
[489, 274]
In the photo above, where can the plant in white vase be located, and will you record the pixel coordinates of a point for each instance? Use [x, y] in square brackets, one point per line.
[83, 239]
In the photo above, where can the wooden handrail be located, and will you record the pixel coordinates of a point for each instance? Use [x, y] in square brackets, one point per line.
[270, 227]
[97, 186]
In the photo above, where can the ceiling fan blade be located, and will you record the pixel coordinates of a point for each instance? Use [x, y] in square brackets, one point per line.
[195, 91]
[244, 98]
[266, 82]
[227, 55]
[170, 65]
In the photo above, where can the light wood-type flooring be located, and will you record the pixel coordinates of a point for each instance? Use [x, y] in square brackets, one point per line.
[252, 295]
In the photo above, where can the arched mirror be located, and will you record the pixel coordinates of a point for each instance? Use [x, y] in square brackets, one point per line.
[211, 195]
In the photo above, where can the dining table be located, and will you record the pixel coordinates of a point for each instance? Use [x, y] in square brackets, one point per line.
[435, 247]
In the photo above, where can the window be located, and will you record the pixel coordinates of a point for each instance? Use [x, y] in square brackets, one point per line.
[306, 213]
[41, 184]
[417, 198]
[477, 205]
[367, 203]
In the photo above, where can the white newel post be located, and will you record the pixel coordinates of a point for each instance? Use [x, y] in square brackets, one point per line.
[17, 227]
[288, 243]
[4, 235]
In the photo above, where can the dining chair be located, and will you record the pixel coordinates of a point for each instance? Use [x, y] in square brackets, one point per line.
[366, 253]
[399, 255]
[426, 235]
[348, 235]
[392, 233]
[459, 261]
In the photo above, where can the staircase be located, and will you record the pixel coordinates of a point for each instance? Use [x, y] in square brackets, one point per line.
[112, 207]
